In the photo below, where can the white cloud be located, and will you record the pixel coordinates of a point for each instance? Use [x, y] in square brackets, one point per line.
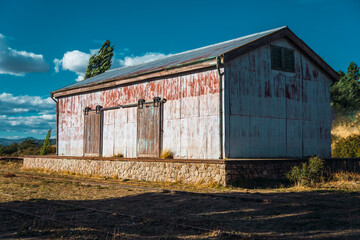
[12, 137]
[75, 61]
[20, 110]
[135, 60]
[14, 105]
[18, 63]
[80, 77]
[26, 114]
[57, 63]
[28, 124]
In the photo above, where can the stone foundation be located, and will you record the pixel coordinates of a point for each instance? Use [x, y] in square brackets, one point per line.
[259, 169]
[276, 169]
[223, 172]
[169, 171]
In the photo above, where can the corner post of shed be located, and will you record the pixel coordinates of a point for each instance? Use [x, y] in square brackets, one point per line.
[218, 63]
[57, 122]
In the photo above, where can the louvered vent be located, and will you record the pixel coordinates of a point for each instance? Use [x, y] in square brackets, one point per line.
[288, 60]
[276, 62]
[282, 59]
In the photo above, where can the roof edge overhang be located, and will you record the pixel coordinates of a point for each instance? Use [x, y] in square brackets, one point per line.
[145, 76]
[285, 32]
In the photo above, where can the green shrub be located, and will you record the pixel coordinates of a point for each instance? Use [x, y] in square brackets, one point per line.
[347, 147]
[308, 174]
[9, 150]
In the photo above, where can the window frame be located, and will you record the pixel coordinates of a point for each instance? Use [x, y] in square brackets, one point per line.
[282, 56]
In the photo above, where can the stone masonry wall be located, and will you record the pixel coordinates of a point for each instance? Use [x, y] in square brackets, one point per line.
[204, 171]
[259, 169]
[186, 172]
[276, 169]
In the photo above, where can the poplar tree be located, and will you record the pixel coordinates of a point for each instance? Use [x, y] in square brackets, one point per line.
[47, 143]
[100, 62]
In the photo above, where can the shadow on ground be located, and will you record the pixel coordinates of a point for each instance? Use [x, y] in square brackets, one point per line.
[304, 215]
[261, 183]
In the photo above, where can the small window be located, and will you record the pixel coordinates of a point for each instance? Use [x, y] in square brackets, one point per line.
[282, 59]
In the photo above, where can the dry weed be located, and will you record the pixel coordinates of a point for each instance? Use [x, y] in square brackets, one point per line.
[166, 154]
[346, 177]
[9, 175]
[344, 130]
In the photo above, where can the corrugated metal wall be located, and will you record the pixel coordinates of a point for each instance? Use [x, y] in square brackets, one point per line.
[271, 113]
[190, 125]
[267, 113]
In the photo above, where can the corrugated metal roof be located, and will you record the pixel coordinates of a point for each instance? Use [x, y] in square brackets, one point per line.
[173, 60]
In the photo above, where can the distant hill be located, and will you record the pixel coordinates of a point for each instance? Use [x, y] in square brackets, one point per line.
[5, 141]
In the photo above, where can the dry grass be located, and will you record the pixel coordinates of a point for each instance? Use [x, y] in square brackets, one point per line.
[328, 212]
[9, 175]
[343, 130]
[53, 189]
[119, 155]
[167, 154]
[346, 177]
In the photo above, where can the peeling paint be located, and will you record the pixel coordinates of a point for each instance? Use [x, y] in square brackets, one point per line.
[267, 113]
[292, 116]
[191, 107]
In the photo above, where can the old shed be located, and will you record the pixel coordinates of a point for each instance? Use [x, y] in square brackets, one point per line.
[265, 95]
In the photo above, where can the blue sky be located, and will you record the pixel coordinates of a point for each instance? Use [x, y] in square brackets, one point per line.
[45, 45]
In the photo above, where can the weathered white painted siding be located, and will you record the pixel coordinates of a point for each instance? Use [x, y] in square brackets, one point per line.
[271, 113]
[267, 113]
[190, 124]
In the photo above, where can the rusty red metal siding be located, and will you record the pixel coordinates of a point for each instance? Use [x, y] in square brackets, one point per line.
[190, 122]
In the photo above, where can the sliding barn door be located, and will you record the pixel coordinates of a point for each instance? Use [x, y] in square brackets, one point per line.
[148, 131]
[92, 134]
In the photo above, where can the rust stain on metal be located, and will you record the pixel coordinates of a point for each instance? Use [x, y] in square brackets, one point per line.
[181, 92]
[268, 113]
[274, 113]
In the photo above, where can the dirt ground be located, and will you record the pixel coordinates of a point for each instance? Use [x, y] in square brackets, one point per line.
[37, 205]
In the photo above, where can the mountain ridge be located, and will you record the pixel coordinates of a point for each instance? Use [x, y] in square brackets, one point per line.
[6, 141]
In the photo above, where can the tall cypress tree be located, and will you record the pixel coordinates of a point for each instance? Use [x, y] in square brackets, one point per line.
[47, 144]
[101, 61]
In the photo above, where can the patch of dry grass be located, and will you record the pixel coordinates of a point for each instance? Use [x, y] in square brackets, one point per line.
[167, 154]
[346, 177]
[9, 175]
[119, 155]
[344, 181]
[343, 128]
[24, 188]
